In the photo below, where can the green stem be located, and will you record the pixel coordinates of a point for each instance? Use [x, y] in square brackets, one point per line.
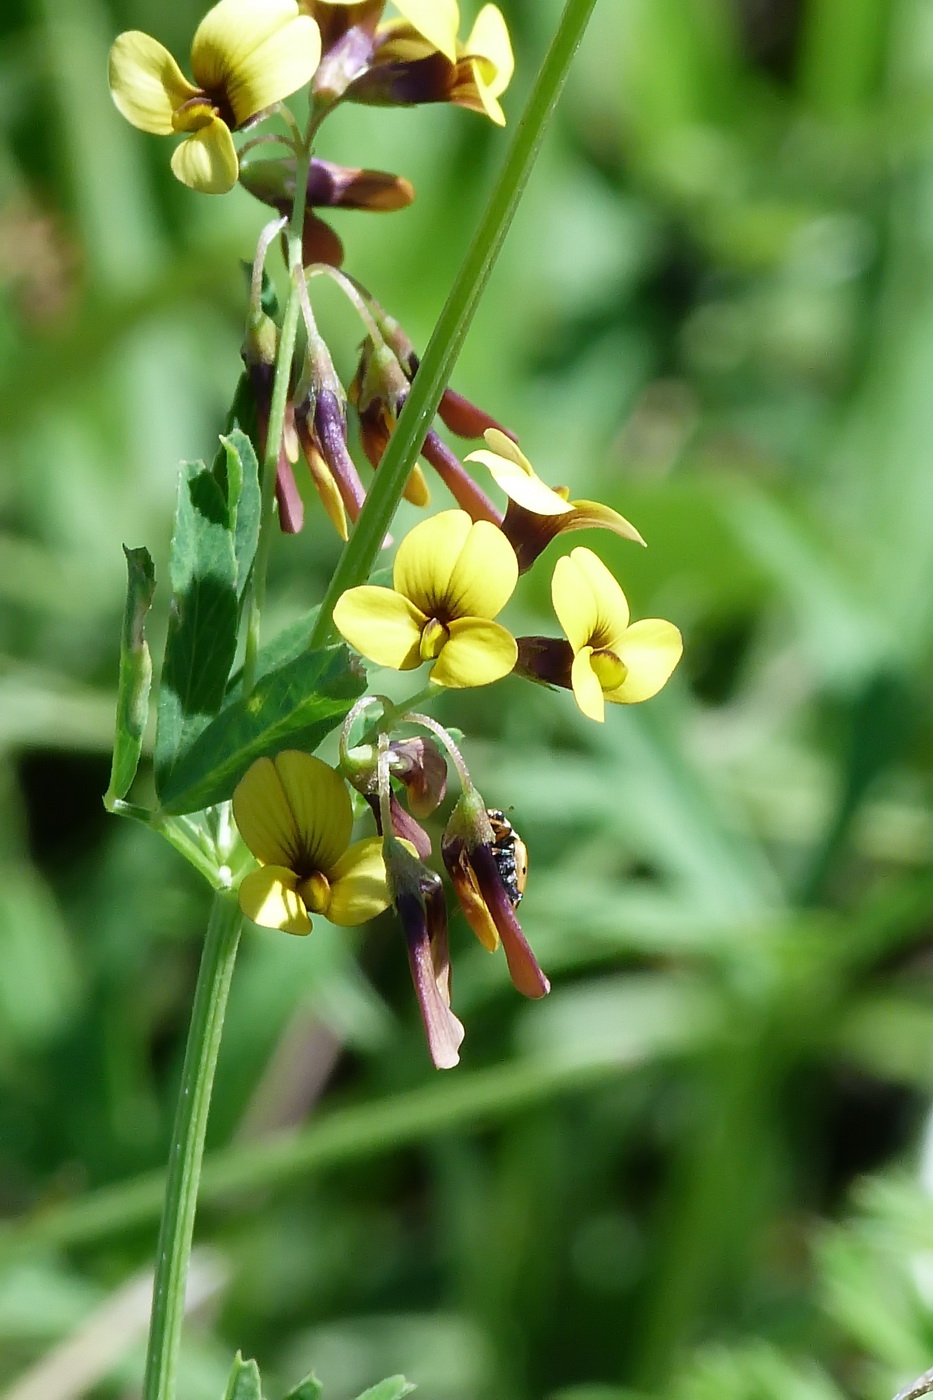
[187, 1150]
[383, 497]
[277, 408]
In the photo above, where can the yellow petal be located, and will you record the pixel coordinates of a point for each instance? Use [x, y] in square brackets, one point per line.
[358, 885]
[587, 690]
[263, 815]
[650, 650]
[489, 40]
[425, 557]
[293, 811]
[416, 489]
[437, 20]
[328, 491]
[255, 52]
[484, 574]
[590, 605]
[269, 898]
[146, 83]
[320, 802]
[382, 625]
[207, 161]
[512, 471]
[587, 515]
[477, 653]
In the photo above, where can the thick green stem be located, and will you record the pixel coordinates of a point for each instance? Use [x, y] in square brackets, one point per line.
[187, 1150]
[415, 420]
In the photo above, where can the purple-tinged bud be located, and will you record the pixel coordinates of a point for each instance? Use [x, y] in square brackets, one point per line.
[421, 767]
[418, 897]
[404, 825]
[547, 660]
[348, 38]
[487, 904]
[259, 352]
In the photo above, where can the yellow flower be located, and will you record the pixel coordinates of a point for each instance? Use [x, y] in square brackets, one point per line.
[477, 71]
[512, 471]
[246, 56]
[451, 577]
[537, 513]
[611, 659]
[295, 815]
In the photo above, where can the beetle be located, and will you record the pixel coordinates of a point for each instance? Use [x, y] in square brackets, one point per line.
[510, 854]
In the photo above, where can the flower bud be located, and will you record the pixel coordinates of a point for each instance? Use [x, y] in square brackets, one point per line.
[418, 897]
[468, 848]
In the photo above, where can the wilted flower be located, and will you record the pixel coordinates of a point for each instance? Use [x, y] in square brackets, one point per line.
[604, 658]
[418, 897]
[295, 815]
[451, 578]
[536, 513]
[488, 902]
[330, 186]
[246, 56]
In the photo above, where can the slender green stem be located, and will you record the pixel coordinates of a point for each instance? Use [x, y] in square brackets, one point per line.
[187, 1151]
[383, 497]
[283, 370]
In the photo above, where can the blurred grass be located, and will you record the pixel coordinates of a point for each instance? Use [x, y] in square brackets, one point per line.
[715, 311]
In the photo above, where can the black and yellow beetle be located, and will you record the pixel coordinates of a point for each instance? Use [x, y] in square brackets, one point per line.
[510, 854]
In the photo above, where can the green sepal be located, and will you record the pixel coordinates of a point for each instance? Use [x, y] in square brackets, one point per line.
[308, 1389]
[244, 1382]
[392, 1388]
[135, 679]
[294, 706]
[202, 627]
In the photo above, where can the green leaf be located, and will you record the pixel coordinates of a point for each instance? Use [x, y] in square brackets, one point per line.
[202, 628]
[392, 1388]
[308, 1389]
[135, 673]
[293, 641]
[295, 705]
[244, 1382]
[244, 502]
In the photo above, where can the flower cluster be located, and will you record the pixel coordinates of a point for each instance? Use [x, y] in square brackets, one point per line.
[453, 576]
[455, 572]
[247, 56]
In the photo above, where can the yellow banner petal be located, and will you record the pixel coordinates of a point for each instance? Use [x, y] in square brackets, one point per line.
[358, 885]
[382, 625]
[484, 574]
[650, 650]
[512, 471]
[146, 83]
[437, 20]
[587, 690]
[321, 806]
[207, 160]
[264, 815]
[426, 556]
[477, 653]
[268, 897]
[255, 52]
[590, 605]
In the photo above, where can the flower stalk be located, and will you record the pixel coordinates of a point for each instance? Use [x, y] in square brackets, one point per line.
[357, 560]
[187, 1149]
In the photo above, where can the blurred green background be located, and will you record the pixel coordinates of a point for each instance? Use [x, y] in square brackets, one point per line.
[703, 1168]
